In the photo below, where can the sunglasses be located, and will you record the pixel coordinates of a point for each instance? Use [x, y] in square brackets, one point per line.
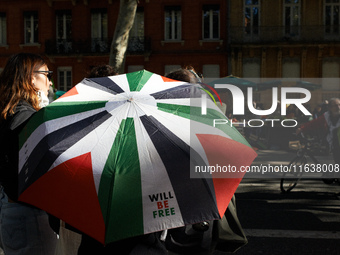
[47, 73]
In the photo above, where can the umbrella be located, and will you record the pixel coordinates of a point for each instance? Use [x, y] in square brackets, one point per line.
[114, 156]
[233, 80]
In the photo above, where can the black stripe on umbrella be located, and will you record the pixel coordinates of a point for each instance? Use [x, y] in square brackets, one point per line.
[190, 193]
[53, 145]
[107, 83]
[184, 91]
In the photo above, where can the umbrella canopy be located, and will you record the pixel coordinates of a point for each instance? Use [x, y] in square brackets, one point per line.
[288, 83]
[233, 80]
[112, 157]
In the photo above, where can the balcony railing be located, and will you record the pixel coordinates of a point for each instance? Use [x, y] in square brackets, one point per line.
[270, 34]
[137, 45]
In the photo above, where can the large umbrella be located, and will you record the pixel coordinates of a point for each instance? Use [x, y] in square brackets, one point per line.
[115, 157]
[233, 80]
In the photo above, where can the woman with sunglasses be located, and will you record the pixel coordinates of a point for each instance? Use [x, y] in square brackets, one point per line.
[24, 85]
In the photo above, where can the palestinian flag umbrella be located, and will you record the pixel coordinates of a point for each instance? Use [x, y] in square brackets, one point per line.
[112, 157]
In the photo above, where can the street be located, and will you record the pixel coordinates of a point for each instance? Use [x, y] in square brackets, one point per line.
[304, 221]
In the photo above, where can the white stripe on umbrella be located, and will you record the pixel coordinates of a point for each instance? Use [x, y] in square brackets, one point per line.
[133, 101]
[122, 81]
[87, 93]
[155, 182]
[194, 102]
[48, 127]
[176, 101]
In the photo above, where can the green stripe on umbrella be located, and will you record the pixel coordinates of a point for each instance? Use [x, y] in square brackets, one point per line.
[112, 190]
[138, 79]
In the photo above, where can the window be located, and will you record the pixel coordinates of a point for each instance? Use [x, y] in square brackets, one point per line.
[291, 68]
[171, 68]
[173, 23]
[332, 16]
[99, 31]
[211, 71]
[64, 31]
[251, 68]
[211, 22]
[251, 17]
[330, 74]
[292, 17]
[3, 31]
[136, 37]
[31, 27]
[65, 78]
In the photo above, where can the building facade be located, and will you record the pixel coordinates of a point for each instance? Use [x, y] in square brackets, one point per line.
[245, 38]
[75, 35]
[284, 39]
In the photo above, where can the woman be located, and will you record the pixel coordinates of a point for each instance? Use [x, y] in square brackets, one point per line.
[24, 85]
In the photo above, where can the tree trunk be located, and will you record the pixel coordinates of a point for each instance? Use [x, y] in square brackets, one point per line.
[126, 17]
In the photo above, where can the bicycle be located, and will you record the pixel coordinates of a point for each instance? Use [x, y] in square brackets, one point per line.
[296, 167]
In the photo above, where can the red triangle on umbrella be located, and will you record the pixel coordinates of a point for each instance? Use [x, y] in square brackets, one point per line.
[166, 79]
[71, 92]
[225, 152]
[58, 192]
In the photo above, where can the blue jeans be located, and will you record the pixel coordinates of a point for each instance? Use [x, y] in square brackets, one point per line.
[24, 230]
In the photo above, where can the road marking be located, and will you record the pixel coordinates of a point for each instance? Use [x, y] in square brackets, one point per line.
[292, 233]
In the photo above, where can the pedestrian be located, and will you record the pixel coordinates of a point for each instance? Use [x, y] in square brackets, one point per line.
[329, 124]
[24, 86]
[324, 106]
[317, 112]
[185, 75]
[102, 71]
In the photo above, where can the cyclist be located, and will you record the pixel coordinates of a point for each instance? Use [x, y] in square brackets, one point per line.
[329, 124]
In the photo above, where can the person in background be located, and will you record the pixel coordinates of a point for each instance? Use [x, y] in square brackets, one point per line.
[102, 71]
[183, 75]
[317, 112]
[329, 124]
[324, 106]
[24, 86]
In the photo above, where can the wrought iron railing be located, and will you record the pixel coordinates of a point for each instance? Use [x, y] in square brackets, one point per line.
[269, 34]
[137, 45]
